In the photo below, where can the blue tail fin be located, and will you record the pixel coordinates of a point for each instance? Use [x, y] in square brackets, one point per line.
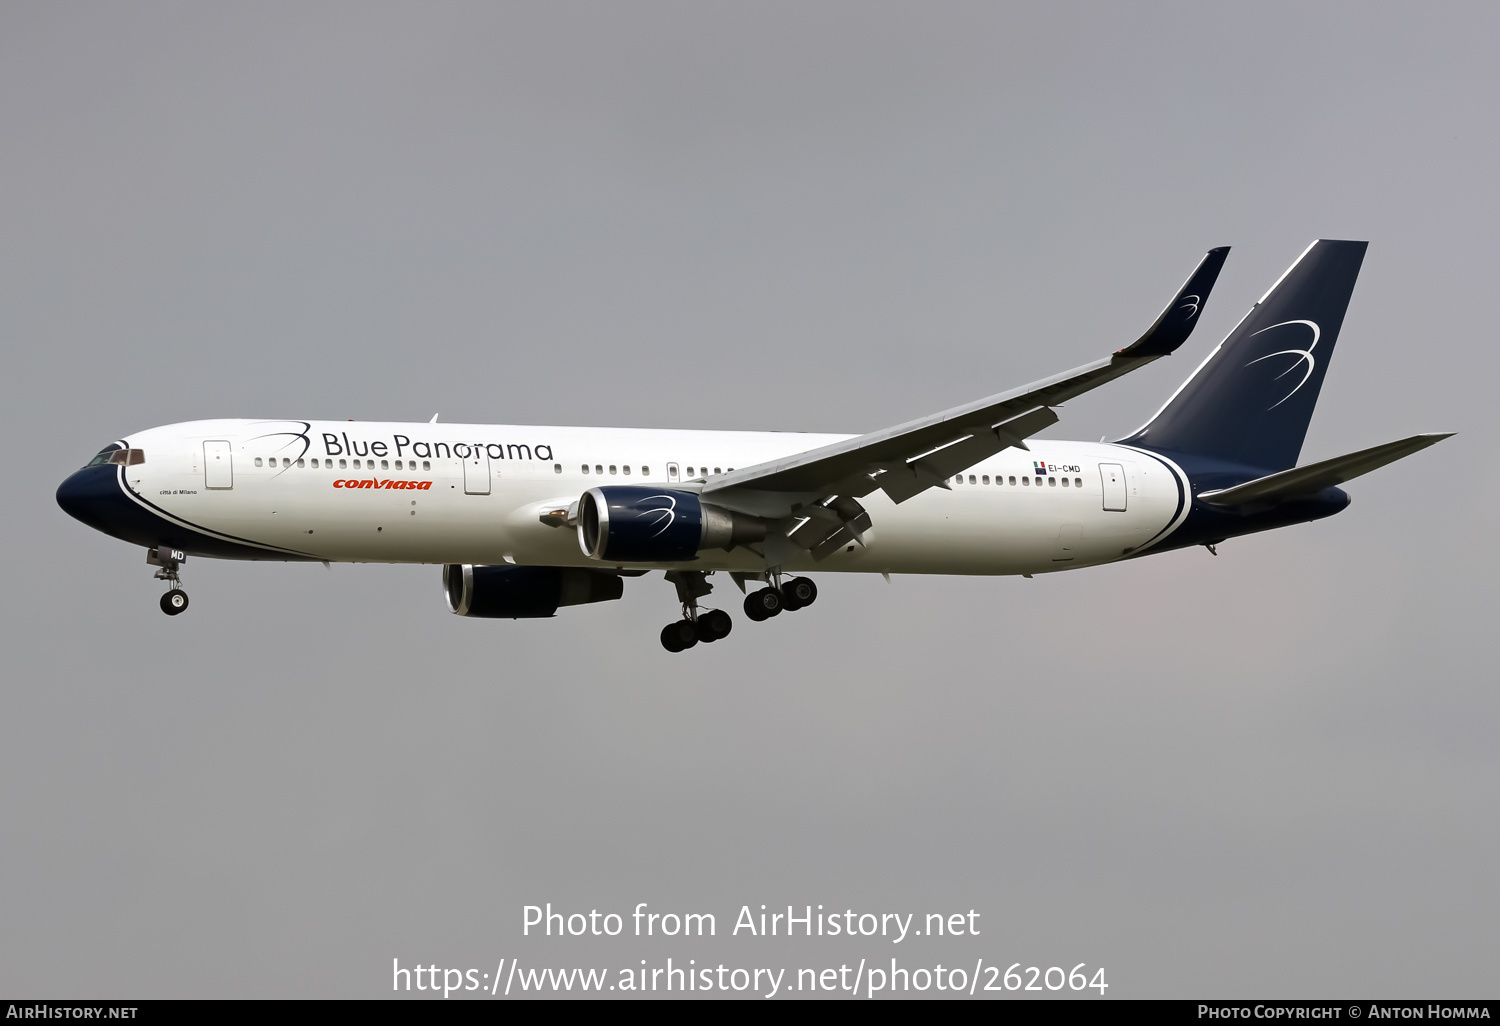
[1250, 402]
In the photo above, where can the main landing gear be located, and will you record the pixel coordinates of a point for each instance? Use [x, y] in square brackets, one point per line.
[687, 632]
[167, 560]
[795, 593]
[713, 624]
[694, 627]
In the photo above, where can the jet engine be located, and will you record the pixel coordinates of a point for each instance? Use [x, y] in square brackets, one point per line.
[524, 591]
[642, 524]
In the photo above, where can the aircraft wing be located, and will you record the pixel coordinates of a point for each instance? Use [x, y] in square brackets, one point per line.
[821, 486]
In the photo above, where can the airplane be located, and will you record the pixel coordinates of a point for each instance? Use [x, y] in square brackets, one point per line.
[526, 520]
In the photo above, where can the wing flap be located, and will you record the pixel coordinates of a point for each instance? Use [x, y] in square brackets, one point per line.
[934, 468]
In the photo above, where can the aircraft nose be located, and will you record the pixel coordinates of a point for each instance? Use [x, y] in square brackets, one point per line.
[92, 496]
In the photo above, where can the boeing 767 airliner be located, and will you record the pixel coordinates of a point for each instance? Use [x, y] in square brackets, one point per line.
[526, 520]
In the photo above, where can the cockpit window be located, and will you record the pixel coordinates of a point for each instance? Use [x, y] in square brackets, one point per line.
[116, 456]
[104, 455]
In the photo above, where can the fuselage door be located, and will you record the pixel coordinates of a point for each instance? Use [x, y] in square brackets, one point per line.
[1114, 487]
[477, 472]
[218, 465]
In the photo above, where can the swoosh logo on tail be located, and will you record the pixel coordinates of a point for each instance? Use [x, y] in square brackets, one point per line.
[1305, 358]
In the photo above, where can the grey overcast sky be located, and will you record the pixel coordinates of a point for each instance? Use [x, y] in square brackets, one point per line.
[1273, 772]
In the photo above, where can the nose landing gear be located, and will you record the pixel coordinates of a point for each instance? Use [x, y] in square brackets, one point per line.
[167, 560]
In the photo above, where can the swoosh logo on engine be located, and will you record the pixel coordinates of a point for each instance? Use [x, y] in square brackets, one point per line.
[665, 515]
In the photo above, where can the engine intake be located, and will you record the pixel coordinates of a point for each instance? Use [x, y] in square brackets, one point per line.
[638, 523]
[524, 591]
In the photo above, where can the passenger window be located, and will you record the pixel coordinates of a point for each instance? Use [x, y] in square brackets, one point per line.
[985, 479]
[971, 479]
[1066, 482]
[690, 472]
[257, 461]
[1078, 482]
[385, 464]
[343, 465]
[557, 468]
[1052, 482]
[627, 470]
[718, 471]
[1013, 479]
[302, 464]
[426, 464]
[612, 470]
[1026, 481]
[645, 471]
[598, 468]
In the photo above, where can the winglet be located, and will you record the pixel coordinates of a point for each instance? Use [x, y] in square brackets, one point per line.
[1177, 321]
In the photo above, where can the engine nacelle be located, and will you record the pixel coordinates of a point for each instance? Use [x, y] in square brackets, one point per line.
[524, 591]
[642, 524]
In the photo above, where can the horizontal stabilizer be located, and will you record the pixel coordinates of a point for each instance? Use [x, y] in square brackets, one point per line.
[1313, 478]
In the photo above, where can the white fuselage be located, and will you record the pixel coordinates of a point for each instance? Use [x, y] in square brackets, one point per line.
[473, 493]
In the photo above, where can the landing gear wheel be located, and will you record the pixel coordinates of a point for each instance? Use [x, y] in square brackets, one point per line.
[798, 593]
[762, 604]
[680, 635]
[174, 602]
[714, 625]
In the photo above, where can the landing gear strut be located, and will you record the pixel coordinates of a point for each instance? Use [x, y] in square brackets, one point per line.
[694, 627]
[167, 560]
